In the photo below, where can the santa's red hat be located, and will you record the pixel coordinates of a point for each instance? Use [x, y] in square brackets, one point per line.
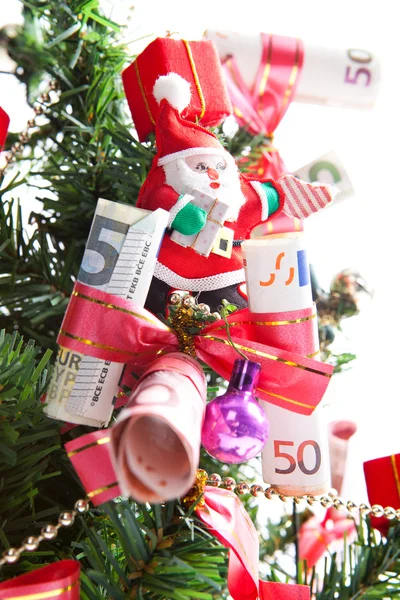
[4, 122]
[176, 137]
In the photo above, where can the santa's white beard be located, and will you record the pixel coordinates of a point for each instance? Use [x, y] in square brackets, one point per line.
[185, 180]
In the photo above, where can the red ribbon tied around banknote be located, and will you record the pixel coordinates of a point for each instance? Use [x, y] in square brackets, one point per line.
[104, 326]
[261, 107]
[226, 517]
[59, 580]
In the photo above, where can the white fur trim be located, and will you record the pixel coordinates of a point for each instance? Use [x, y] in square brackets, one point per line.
[192, 152]
[174, 89]
[186, 198]
[203, 284]
[263, 198]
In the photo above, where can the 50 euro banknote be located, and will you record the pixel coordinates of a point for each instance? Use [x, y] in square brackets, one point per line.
[120, 257]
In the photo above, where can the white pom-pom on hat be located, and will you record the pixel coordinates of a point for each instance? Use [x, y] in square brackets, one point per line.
[174, 89]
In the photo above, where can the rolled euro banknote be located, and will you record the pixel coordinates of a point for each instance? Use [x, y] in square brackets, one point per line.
[328, 169]
[340, 433]
[155, 442]
[336, 76]
[295, 459]
[119, 258]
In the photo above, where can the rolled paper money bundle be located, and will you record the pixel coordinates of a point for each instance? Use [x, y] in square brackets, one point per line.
[155, 442]
[340, 76]
[119, 258]
[295, 458]
[330, 170]
[339, 433]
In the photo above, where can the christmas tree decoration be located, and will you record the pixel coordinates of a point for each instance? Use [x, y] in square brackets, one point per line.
[330, 170]
[4, 123]
[197, 63]
[90, 455]
[269, 62]
[235, 426]
[119, 257]
[266, 72]
[209, 201]
[295, 457]
[155, 441]
[79, 150]
[225, 516]
[58, 580]
[339, 434]
[352, 289]
[382, 476]
[135, 336]
[316, 537]
[261, 104]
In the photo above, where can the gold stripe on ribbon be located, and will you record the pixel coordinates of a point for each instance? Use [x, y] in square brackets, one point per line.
[250, 564]
[292, 78]
[103, 346]
[123, 310]
[146, 104]
[44, 595]
[99, 442]
[265, 75]
[238, 112]
[289, 400]
[289, 363]
[102, 489]
[196, 79]
[313, 354]
[396, 473]
[271, 323]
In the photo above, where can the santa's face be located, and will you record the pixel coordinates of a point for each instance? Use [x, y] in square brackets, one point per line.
[213, 175]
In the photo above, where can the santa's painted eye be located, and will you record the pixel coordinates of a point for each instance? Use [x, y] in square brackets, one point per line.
[221, 166]
[202, 167]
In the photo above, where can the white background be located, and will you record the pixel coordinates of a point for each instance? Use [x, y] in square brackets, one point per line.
[362, 232]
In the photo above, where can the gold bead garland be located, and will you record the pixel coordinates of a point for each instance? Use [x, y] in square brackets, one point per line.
[67, 518]
[40, 108]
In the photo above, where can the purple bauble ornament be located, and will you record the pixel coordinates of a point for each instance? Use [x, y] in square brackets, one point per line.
[235, 426]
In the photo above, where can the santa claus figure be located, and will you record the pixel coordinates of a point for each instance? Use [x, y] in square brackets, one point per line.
[192, 168]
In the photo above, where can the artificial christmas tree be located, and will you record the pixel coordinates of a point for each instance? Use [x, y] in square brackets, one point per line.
[125, 549]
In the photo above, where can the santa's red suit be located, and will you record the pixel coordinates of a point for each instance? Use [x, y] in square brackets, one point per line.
[182, 267]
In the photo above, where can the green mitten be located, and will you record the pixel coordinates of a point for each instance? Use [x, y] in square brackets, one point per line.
[272, 197]
[190, 220]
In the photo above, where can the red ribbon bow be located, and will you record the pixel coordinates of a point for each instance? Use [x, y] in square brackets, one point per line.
[224, 514]
[261, 108]
[102, 325]
[59, 580]
[315, 536]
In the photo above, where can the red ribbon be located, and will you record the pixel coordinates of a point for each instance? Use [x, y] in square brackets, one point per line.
[92, 461]
[225, 516]
[111, 328]
[4, 122]
[59, 580]
[262, 107]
